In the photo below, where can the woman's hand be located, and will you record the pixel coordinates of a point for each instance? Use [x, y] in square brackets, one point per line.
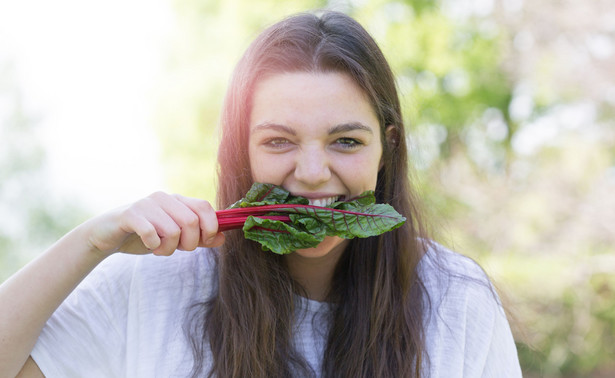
[160, 223]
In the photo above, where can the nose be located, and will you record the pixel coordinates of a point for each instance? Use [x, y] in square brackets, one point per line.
[312, 167]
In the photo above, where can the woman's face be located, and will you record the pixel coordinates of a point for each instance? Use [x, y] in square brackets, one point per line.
[316, 135]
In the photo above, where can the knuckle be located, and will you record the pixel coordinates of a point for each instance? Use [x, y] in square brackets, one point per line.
[175, 233]
[128, 213]
[171, 232]
[129, 216]
[191, 220]
[150, 233]
[205, 206]
[141, 205]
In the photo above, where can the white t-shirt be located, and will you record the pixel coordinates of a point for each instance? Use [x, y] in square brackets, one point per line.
[126, 319]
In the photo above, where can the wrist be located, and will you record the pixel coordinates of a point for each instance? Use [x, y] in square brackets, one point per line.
[84, 235]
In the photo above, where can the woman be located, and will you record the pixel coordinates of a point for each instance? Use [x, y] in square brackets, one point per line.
[312, 107]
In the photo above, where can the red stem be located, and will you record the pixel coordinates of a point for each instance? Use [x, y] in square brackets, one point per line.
[228, 222]
[229, 219]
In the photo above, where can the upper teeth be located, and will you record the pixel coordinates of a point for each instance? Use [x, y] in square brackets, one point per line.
[322, 202]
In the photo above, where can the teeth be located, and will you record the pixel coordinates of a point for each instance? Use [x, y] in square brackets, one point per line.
[322, 202]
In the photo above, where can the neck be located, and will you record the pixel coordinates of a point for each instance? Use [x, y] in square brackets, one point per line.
[314, 274]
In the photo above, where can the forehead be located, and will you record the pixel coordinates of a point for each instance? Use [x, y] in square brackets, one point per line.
[310, 98]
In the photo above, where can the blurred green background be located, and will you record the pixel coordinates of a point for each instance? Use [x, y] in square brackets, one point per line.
[510, 106]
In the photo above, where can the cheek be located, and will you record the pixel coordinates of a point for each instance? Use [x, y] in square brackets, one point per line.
[257, 166]
[267, 168]
[367, 179]
[361, 172]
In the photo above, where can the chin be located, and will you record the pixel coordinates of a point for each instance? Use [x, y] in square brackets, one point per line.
[332, 245]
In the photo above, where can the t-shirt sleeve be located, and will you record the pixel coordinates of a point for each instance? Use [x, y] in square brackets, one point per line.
[490, 349]
[501, 358]
[467, 332]
[86, 335]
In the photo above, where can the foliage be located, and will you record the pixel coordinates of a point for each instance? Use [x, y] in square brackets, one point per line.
[306, 225]
[544, 233]
[514, 150]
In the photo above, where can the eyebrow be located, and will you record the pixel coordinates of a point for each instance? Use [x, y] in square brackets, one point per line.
[344, 127]
[273, 126]
[337, 129]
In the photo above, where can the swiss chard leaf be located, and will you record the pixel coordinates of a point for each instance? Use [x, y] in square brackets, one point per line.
[280, 237]
[308, 225]
[267, 194]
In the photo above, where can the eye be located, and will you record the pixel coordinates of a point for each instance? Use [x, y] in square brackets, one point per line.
[348, 143]
[276, 143]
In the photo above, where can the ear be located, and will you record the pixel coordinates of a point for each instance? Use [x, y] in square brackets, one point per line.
[391, 136]
[391, 133]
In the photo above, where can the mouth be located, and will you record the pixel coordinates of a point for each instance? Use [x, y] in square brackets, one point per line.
[324, 202]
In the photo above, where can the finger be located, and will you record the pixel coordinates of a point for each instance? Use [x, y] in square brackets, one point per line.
[208, 221]
[133, 221]
[169, 233]
[146, 231]
[185, 218]
[167, 229]
[214, 242]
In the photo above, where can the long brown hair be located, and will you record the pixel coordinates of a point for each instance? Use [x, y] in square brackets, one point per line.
[376, 327]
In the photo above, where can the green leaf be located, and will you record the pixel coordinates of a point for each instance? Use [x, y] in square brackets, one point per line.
[279, 237]
[267, 194]
[359, 217]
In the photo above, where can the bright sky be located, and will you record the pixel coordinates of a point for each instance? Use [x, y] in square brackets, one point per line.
[89, 71]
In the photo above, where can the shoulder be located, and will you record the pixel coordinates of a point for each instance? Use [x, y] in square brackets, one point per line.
[450, 276]
[440, 263]
[455, 284]
[466, 329]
